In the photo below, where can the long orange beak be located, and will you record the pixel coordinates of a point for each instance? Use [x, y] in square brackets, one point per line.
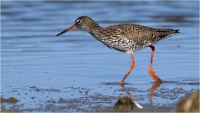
[66, 30]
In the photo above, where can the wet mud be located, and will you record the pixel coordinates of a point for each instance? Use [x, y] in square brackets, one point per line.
[99, 102]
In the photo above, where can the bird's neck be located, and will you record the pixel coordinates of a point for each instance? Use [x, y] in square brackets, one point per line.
[96, 31]
[93, 27]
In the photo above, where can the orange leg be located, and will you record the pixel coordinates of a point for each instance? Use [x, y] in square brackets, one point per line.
[130, 69]
[151, 72]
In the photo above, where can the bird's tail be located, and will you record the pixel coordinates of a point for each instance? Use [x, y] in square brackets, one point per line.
[167, 32]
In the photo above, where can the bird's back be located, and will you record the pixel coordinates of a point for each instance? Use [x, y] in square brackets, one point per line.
[136, 32]
[123, 37]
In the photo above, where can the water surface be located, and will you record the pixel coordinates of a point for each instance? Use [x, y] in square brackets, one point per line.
[39, 68]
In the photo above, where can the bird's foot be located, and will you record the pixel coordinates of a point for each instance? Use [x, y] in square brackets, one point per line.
[122, 83]
[159, 81]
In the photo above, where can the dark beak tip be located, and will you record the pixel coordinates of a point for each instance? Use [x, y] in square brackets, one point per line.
[61, 33]
[66, 30]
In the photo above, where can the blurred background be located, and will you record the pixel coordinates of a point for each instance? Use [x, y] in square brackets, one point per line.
[33, 57]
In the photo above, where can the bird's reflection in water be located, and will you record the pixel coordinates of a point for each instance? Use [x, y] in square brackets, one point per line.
[151, 91]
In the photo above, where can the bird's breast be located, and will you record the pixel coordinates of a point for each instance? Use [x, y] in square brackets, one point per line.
[120, 44]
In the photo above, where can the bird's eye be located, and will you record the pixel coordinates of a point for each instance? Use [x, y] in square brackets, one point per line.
[78, 21]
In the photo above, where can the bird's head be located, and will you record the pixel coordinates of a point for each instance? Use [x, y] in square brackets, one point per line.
[83, 22]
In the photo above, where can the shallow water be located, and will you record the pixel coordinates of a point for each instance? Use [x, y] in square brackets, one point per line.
[39, 68]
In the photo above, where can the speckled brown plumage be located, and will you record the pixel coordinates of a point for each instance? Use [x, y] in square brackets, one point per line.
[124, 37]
